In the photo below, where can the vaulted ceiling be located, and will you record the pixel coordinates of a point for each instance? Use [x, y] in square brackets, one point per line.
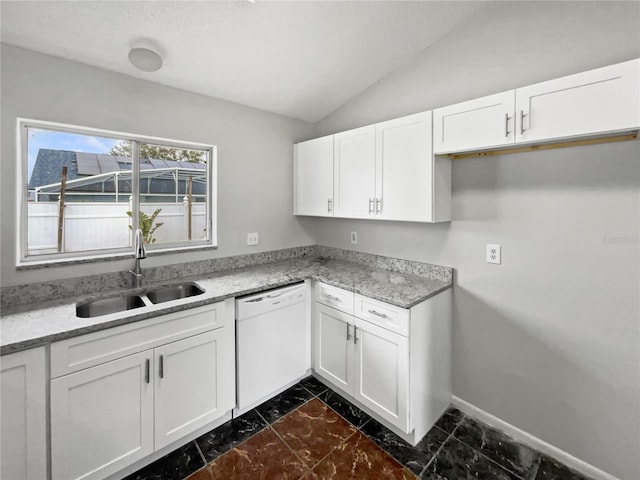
[302, 59]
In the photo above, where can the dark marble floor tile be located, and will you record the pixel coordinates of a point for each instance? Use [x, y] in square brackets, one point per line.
[498, 446]
[313, 430]
[457, 461]
[263, 456]
[345, 408]
[280, 405]
[551, 470]
[229, 434]
[360, 459]
[449, 419]
[175, 466]
[314, 385]
[414, 458]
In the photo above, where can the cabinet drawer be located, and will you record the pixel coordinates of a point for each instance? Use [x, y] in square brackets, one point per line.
[335, 297]
[85, 351]
[379, 313]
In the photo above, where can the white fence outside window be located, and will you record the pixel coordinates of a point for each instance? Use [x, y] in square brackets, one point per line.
[99, 225]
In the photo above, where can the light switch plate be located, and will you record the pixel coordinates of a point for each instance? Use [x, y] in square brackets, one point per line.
[354, 237]
[494, 253]
[252, 238]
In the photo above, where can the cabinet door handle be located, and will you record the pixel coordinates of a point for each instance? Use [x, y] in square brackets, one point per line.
[370, 205]
[522, 115]
[378, 205]
[147, 370]
[355, 334]
[378, 314]
[348, 332]
[329, 205]
[331, 297]
[506, 125]
[161, 366]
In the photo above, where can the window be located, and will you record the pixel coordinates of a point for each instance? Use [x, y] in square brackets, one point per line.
[85, 191]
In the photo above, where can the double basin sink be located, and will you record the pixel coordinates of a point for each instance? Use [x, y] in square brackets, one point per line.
[123, 303]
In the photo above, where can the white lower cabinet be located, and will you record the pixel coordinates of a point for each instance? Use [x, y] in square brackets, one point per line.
[108, 416]
[394, 363]
[334, 357]
[382, 368]
[192, 385]
[102, 418]
[23, 430]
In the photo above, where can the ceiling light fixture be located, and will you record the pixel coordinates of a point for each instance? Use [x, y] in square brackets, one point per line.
[145, 59]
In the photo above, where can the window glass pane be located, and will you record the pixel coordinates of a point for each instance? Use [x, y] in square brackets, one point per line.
[79, 188]
[173, 194]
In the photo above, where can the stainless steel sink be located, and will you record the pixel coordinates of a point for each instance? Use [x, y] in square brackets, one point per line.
[174, 292]
[108, 305]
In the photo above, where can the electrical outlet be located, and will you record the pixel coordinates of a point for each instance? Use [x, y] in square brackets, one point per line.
[354, 237]
[494, 253]
[252, 238]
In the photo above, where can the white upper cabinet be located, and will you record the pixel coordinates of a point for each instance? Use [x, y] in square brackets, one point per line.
[385, 171]
[354, 172]
[479, 123]
[405, 170]
[313, 177]
[598, 101]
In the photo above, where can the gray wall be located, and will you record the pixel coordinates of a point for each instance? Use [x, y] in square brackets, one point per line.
[549, 340]
[255, 154]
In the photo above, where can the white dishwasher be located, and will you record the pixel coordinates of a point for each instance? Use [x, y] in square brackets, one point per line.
[273, 343]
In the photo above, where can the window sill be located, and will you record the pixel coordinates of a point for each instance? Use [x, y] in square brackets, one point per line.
[66, 262]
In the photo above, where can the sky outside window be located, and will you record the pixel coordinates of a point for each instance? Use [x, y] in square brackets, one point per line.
[65, 141]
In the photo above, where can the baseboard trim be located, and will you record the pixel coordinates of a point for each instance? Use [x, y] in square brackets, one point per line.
[532, 441]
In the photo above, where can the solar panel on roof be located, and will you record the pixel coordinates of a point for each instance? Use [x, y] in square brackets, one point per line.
[87, 163]
[158, 163]
[108, 164]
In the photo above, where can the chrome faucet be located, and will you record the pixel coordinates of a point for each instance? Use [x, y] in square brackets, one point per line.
[140, 253]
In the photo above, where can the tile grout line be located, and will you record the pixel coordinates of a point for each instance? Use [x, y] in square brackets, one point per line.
[201, 454]
[509, 470]
[435, 454]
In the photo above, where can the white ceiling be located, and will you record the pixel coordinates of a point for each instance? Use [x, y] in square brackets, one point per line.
[301, 59]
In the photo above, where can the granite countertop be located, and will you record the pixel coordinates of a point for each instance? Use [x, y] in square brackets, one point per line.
[50, 321]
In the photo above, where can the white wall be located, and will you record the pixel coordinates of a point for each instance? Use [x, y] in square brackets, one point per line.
[549, 340]
[255, 151]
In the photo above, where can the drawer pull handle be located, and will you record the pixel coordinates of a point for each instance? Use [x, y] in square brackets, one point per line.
[329, 205]
[161, 366]
[506, 126]
[332, 297]
[378, 205]
[348, 332]
[378, 314]
[147, 368]
[370, 205]
[355, 334]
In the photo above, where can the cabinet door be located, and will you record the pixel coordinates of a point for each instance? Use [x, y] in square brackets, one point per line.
[313, 177]
[354, 172]
[102, 418]
[23, 453]
[404, 169]
[193, 383]
[602, 100]
[382, 372]
[334, 346]
[475, 124]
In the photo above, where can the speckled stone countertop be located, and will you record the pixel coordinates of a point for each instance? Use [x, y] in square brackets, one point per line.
[33, 325]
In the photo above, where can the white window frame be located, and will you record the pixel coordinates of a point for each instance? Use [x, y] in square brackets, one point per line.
[25, 260]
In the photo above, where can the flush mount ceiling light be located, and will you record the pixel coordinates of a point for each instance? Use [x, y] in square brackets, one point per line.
[145, 59]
